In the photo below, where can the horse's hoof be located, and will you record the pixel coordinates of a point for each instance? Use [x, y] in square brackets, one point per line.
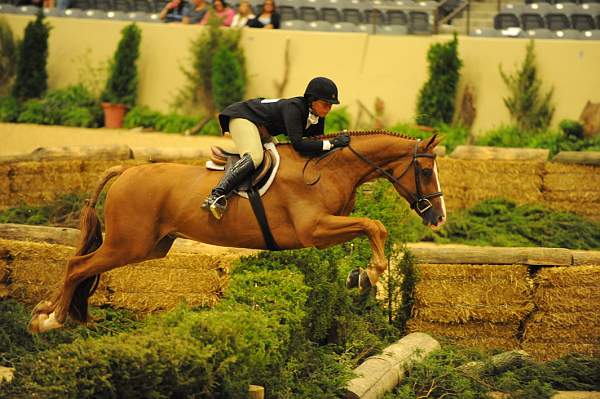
[364, 283]
[34, 325]
[42, 307]
[43, 322]
[352, 279]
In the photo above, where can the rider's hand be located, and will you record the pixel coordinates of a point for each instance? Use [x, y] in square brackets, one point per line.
[341, 141]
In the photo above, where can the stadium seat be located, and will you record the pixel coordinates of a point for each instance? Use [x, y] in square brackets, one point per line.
[330, 14]
[531, 21]
[27, 10]
[485, 32]
[403, 4]
[353, 15]
[308, 13]
[583, 22]
[419, 22]
[513, 8]
[505, 20]
[53, 12]
[591, 35]
[539, 34]
[569, 34]
[122, 5]
[81, 4]
[374, 16]
[287, 13]
[95, 14]
[397, 17]
[366, 28]
[104, 5]
[73, 13]
[8, 8]
[556, 21]
[293, 24]
[321, 26]
[345, 27]
[142, 6]
[117, 15]
[565, 8]
[392, 30]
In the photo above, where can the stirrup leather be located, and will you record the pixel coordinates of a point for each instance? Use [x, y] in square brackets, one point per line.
[218, 207]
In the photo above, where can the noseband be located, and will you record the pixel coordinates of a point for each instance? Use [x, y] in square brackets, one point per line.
[418, 201]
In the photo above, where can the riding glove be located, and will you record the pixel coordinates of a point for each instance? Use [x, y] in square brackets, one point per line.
[341, 141]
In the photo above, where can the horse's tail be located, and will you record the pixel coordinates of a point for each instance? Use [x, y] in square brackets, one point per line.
[91, 240]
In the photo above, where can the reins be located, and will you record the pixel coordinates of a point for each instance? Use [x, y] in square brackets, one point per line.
[421, 203]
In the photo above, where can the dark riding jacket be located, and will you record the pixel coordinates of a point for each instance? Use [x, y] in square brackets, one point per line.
[278, 116]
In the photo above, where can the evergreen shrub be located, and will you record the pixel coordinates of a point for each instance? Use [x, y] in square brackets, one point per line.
[121, 86]
[337, 120]
[10, 108]
[8, 56]
[32, 77]
[141, 116]
[435, 103]
[571, 128]
[228, 78]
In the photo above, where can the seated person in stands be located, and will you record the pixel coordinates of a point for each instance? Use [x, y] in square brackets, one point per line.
[196, 12]
[269, 17]
[173, 11]
[243, 15]
[221, 10]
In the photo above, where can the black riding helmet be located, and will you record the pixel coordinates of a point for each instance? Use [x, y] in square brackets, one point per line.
[321, 88]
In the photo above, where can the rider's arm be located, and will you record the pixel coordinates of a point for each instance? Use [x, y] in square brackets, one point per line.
[294, 124]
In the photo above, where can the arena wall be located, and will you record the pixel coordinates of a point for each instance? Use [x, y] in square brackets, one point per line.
[364, 66]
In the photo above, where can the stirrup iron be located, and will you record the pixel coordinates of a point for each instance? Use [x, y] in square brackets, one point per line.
[217, 209]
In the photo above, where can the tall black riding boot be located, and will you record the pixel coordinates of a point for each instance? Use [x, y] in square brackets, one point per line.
[217, 200]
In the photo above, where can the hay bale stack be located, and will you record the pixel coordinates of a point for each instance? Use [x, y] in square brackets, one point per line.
[567, 318]
[36, 271]
[479, 305]
[574, 188]
[467, 182]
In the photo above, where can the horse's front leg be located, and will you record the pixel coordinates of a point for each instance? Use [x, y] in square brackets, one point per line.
[331, 230]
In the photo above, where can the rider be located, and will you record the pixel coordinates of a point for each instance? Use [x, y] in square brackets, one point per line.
[253, 121]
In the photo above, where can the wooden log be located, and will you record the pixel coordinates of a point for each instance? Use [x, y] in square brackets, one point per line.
[113, 152]
[557, 395]
[500, 363]
[381, 373]
[579, 157]
[256, 392]
[52, 235]
[153, 154]
[586, 258]
[499, 153]
[459, 254]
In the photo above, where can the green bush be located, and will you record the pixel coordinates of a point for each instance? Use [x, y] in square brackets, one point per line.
[174, 123]
[34, 111]
[228, 78]
[141, 116]
[8, 57]
[121, 87]
[32, 78]
[337, 120]
[571, 128]
[435, 104]
[10, 108]
[452, 135]
[530, 109]
[502, 223]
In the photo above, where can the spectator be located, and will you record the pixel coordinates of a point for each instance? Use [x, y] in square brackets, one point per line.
[173, 11]
[243, 15]
[269, 18]
[196, 13]
[221, 10]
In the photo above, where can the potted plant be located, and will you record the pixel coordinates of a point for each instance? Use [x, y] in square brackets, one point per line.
[121, 88]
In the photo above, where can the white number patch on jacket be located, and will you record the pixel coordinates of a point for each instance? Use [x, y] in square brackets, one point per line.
[269, 100]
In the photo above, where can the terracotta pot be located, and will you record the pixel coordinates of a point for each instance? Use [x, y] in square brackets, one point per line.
[113, 115]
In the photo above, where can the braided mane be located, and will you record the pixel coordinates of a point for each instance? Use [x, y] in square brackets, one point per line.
[354, 133]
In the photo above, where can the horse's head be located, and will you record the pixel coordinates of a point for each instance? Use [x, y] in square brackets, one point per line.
[418, 182]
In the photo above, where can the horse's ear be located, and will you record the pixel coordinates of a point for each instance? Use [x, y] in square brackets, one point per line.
[433, 141]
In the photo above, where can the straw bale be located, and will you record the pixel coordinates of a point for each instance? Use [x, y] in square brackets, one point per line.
[567, 299]
[466, 330]
[589, 210]
[563, 168]
[463, 273]
[580, 199]
[566, 320]
[153, 301]
[544, 351]
[472, 152]
[462, 313]
[578, 157]
[572, 182]
[578, 276]
[489, 343]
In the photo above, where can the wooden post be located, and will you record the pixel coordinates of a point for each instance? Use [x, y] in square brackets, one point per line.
[256, 392]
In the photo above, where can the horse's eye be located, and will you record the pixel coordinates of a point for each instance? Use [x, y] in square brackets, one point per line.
[427, 172]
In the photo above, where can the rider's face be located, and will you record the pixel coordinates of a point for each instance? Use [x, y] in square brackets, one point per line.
[321, 108]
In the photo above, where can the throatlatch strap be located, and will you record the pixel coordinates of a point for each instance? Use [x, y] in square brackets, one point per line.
[259, 212]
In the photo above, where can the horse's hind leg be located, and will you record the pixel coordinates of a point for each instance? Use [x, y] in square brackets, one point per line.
[50, 315]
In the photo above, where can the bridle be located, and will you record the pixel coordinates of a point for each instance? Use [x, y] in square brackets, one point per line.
[419, 202]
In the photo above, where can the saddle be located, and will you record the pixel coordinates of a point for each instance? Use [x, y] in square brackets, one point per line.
[223, 160]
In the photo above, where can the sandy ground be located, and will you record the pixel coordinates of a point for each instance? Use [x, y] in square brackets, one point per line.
[22, 138]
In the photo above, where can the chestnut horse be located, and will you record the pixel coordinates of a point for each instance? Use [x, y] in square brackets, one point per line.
[149, 206]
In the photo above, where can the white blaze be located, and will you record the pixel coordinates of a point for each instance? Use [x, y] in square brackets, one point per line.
[439, 188]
